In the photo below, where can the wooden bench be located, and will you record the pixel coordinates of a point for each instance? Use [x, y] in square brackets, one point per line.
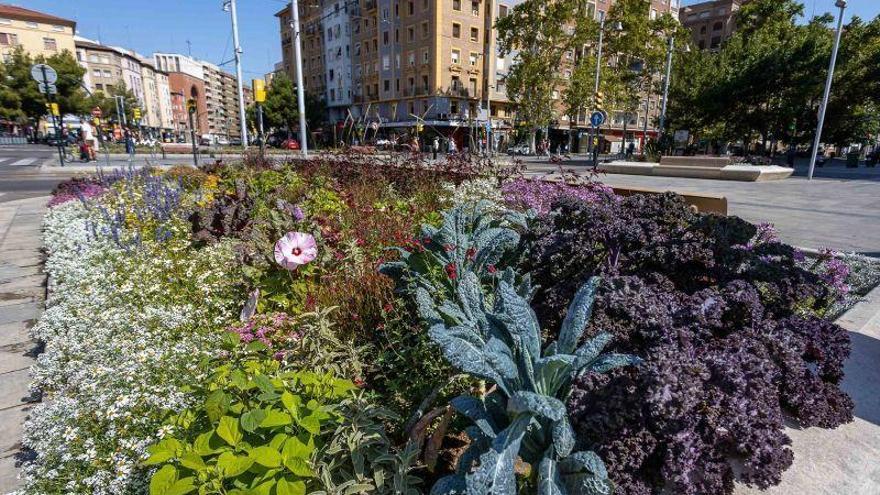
[703, 203]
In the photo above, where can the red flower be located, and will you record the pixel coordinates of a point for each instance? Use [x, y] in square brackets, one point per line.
[359, 382]
[388, 307]
[426, 241]
[491, 269]
[448, 247]
[451, 271]
[471, 253]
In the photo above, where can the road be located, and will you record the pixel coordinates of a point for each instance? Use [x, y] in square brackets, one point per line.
[20, 174]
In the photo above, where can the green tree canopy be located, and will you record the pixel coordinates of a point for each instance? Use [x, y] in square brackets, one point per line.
[27, 101]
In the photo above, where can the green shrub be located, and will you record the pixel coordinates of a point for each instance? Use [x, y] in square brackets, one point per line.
[258, 430]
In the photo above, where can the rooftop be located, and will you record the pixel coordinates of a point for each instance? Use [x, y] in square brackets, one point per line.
[15, 12]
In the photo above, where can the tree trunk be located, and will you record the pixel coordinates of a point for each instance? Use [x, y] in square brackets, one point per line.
[532, 137]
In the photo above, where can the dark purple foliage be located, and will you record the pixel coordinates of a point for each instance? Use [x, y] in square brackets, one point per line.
[723, 318]
[76, 188]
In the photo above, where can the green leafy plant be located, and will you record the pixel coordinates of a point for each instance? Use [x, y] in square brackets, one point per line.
[258, 431]
[495, 336]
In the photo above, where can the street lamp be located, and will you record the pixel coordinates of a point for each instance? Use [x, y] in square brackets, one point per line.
[618, 26]
[669, 49]
[300, 90]
[229, 6]
[841, 4]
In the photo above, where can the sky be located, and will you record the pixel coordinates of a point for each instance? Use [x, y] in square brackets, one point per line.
[148, 26]
[866, 9]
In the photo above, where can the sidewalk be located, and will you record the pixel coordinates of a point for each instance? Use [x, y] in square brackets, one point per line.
[843, 460]
[22, 293]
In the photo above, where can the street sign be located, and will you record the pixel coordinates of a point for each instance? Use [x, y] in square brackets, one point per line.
[597, 119]
[48, 89]
[43, 73]
[259, 87]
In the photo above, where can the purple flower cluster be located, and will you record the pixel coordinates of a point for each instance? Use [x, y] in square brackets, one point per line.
[81, 192]
[539, 195]
[275, 331]
[834, 272]
[724, 319]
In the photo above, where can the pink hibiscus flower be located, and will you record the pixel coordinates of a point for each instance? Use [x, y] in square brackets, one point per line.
[295, 249]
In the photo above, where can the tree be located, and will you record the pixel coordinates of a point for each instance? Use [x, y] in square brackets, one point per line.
[30, 103]
[107, 102]
[538, 33]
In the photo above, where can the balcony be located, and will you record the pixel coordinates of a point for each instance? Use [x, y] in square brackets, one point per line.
[461, 92]
[417, 91]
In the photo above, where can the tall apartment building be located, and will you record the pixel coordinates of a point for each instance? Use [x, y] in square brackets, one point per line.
[214, 90]
[434, 59]
[711, 23]
[35, 32]
[396, 61]
[108, 67]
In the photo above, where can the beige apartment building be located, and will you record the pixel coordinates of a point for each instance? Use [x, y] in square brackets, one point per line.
[435, 61]
[711, 23]
[109, 66]
[37, 33]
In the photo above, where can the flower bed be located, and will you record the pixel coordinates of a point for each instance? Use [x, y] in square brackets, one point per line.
[347, 326]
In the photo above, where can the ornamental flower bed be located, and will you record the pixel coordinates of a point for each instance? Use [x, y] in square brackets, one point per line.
[348, 326]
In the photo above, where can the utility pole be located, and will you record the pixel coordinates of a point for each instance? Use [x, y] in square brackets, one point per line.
[841, 4]
[230, 4]
[300, 90]
[666, 87]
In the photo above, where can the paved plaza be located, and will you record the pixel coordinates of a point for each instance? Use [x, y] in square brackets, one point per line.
[839, 213]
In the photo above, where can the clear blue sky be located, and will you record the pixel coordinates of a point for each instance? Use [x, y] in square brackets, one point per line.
[148, 26]
[866, 9]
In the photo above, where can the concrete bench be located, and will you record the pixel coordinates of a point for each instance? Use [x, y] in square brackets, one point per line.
[177, 148]
[695, 161]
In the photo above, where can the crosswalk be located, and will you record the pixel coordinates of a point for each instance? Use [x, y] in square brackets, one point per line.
[17, 163]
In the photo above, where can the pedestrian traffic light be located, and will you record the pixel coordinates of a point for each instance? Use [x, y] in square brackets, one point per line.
[599, 101]
[259, 90]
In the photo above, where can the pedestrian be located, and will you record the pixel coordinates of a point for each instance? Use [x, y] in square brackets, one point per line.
[435, 147]
[630, 149]
[129, 141]
[452, 146]
[89, 139]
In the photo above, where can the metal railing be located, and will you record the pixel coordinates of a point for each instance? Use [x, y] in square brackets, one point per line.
[6, 140]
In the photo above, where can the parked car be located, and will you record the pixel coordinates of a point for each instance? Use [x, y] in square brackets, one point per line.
[235, 142]
[290, 144]
[221, 141]
[518, 149]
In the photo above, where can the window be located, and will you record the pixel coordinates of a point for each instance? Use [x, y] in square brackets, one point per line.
[99, 87]
[411, 58]
[717, 26]
[56, 27]
[50, 44]
[456, 4]
[502, 11]
[456, 30]
[8, 39]
[411, 8]
[456, 82]
[97, 72]
[475, 7]
[472, 59]
[716, 42]
[456, 56]
[386, 62]
[411, 34]
[385, 38]
[703, 30]
[32, 25]
[386, 84]
[475, 34]
[425, 31]
[425, 56]
[653, 14]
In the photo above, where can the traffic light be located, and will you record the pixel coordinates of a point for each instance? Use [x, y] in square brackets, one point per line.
[420, 128]
[599, 101]
[137, 113]
[191, 105]
[259, 86]
[53, 109]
